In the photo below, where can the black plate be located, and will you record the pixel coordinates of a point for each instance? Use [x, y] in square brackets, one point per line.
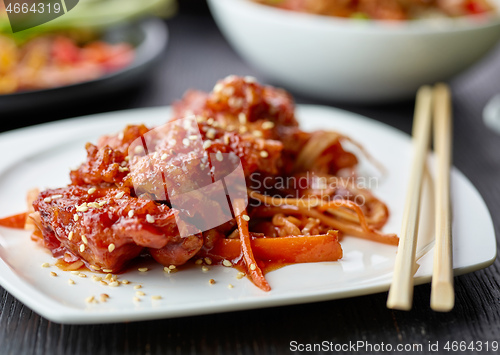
[149, 39]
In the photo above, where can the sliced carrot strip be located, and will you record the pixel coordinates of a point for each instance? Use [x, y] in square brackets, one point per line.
[290, 249]
[253, 268]
[15, 221]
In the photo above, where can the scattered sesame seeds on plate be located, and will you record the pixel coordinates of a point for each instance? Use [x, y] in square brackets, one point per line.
[365, 268]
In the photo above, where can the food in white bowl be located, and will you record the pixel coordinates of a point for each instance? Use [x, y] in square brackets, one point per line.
[384, 9]
[354, 60]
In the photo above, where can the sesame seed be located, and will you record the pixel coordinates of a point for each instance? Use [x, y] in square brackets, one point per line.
[207, 144]
[227, 263]
[125, 282]
[264, 154]
[204, 268]
[75, 272]
[230, 286]
[250, 79]
[164, 156]
[235, 102]
[55, 197]
[143, 269]
[93, 205]
[75, 217]
[139, 149]
[107, 270]
[96, 278]
[111, 247]
[243, 129]
[121, 169]
[82, 208]
[240, 275]
[94, 267]
[150, 218]
[70, 235]
[219, 156]
[82, 275]
[84, 239]
[242, 118]
[136, 299]
[82, 248]
[199, 262]
[245, 217]
[114, 284]
[104, 297]
[211, 281]
[218, 87]
[267, 125]
[185, 141]
[131, 213]
[208, 261]
[47, 200]
[45, 265]
[156, 297]
[226, 139]
[71, 282]
[193, 137]
[210, 121]
[52, 273]
[140, 293]
[108, 276]
[136, 287]
[104, 283]
[211, 133]
[120, 194]
[121, 135]
[155, 155]
[253, 267]
[89, 299]
[91, 190]
[257, 133]
[102, 203]
[172, 267]
[127, 158]
[228, 91]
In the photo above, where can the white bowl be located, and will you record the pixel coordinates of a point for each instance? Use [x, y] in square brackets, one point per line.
[364, 61]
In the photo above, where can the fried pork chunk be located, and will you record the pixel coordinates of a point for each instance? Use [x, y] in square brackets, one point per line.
[104, 226]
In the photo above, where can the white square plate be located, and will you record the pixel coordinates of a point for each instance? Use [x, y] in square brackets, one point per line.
[41, 156]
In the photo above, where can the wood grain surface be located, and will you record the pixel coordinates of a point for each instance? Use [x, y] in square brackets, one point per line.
[197, 56]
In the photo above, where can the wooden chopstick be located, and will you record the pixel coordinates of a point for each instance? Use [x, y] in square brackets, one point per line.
[442, 292]
[401, 291]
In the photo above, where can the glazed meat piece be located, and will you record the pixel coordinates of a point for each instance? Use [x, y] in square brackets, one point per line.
[107, 161]
[103, 226]
[178, 164]
[251, 109]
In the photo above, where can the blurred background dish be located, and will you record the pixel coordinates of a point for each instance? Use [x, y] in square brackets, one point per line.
[99, 47]
[351, 59]
[148, 39]
[400, 10]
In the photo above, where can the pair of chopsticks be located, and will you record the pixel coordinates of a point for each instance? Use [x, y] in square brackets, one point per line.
[432, 109]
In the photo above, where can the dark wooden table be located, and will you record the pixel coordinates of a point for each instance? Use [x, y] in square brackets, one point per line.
[197, 56]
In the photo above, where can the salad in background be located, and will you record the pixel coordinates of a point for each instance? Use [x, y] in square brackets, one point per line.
[70, 49]
[385, 9]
